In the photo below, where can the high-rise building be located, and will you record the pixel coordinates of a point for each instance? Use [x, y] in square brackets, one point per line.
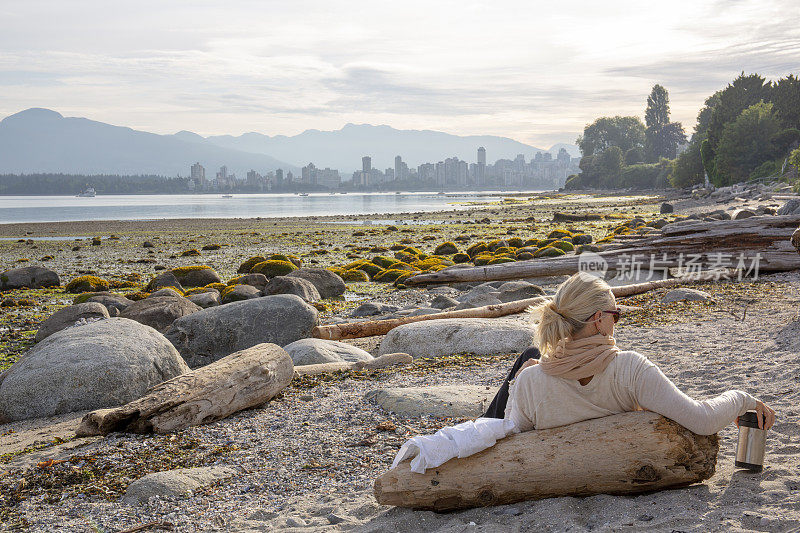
[366, 164]
[289, 176]
[309, 175]
[279, 178]
[198, 173]
[480, 171]
[482, 156]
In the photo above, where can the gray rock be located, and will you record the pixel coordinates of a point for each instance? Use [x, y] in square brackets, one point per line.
[667, 208]
[102, 364]
[518, 290]
[166, 291]
[791, 207]
[292, 285]
[443, 302]
[33, 277]
[165, 279]
[372, 309]
[449, 336]
[316, 351]
[237, 293]
[443, 401]
[197, 277]
[483, 294]
[160, 311]
[211, 334]
[255, 279]
[176, 483]
[743, 213]
[424, 311]
[328, 284]
[677, 295]
[66, 317]
[111, 301]
[210, 298]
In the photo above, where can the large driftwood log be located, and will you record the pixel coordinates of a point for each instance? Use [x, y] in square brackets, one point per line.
[371, 328]
[621, 454]
[238, 381]
[768, 236]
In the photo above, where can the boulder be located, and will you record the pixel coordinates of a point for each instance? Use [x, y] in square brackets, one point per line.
[160, 311]
[678, 295]
[449, 336]
[424, 311]
[667, 208]
[165, 279]
[196, 276]
[328, 284]
[512, 291]
[292, 285]
[68, 316]
[443, 302]
[101, 364]
[176, 483]
[791, 207]
[32, 277]
[211, 334]
[166, 291]
[372, 309]
[743, 213]
[316, 351]
[111, 301]
[259, 281]
[442, 401]
[206, 299]
[237, 293]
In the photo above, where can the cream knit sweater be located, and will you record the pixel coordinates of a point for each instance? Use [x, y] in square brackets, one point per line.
[537, 400]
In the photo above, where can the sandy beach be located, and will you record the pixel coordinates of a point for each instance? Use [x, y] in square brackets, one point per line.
[306, 460]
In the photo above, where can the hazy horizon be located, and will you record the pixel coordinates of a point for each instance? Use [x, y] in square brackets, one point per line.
[534, 73]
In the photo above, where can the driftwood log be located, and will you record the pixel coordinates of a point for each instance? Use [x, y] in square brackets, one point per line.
[371, 328]
[796, 240]
[768, 236]
[238, 381]
[627, 453]
[383, 361]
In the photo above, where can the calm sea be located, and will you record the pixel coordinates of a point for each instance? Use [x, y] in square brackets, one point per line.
[150, 207]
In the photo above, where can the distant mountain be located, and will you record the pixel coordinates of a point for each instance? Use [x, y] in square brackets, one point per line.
[343, 149]
[41, 140]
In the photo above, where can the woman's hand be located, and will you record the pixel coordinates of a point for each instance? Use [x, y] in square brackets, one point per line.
[526, 364]
[764, 414]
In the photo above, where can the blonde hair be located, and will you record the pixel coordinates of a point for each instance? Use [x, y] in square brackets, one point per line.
[576, 299]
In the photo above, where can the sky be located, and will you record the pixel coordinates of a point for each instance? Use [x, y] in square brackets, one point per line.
[532, 71]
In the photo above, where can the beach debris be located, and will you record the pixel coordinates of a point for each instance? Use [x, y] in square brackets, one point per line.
[66, 317]
[239, 381]
[640, 452]
[796, 240]
[211, 334]
[441, 401]
[103, 363]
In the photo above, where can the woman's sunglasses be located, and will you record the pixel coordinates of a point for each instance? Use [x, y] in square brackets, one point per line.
[615, 313]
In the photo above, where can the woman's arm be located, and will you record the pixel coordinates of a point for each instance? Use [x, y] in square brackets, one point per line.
[655, 392]
[519, 408]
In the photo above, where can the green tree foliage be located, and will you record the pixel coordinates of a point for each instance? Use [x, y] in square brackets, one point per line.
[634, 155]
[794, 159]
[687, 170]
[746, 143]
[786, 98]
[623, 132]
[103, 184]
[662, 136]
[646, 175]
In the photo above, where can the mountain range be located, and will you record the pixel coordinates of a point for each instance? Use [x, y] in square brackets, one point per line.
[42, 140]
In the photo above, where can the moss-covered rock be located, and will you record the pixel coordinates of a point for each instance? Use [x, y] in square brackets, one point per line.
[461, 258]
[516, 242]
[217, 286]
[581, 238]
[389, 275]
[499, 260]
[482, 259]
[559, 233]
[248, 265]
[384, 262]
[563, 245]
[549, 251]
[354, 275]
[196, 275]
[274, 267]
[213, 246]
[86, 284]
[190, 253]
[505, 250]
[446, 248]
[532, 242]
[477, 248]
[136, 296]
[405, 257]
[200, 290]
[397, 246]
[524, 256]
[495, 244]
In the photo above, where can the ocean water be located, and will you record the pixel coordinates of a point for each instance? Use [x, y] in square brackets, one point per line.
[161, 206]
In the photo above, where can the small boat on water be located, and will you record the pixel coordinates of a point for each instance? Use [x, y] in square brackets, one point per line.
[303, 194]
[227, 196]
[88, 193]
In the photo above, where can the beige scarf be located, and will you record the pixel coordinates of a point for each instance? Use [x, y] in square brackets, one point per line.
[582, 358]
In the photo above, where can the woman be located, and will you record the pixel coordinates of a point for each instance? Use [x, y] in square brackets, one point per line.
[581, 375]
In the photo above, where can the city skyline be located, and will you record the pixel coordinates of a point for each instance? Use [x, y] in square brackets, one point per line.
[534, 73]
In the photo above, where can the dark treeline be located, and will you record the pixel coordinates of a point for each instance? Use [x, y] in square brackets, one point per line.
[103, 184]
[746, 131]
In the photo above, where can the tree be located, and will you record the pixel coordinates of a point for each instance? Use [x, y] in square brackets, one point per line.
[786, 98]
[687, 170]
[609, 166]
[623, 132]
[746, 143]
[662, 136]
[742, 93]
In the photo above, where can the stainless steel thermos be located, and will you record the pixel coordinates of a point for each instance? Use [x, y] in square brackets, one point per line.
[752, 443]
